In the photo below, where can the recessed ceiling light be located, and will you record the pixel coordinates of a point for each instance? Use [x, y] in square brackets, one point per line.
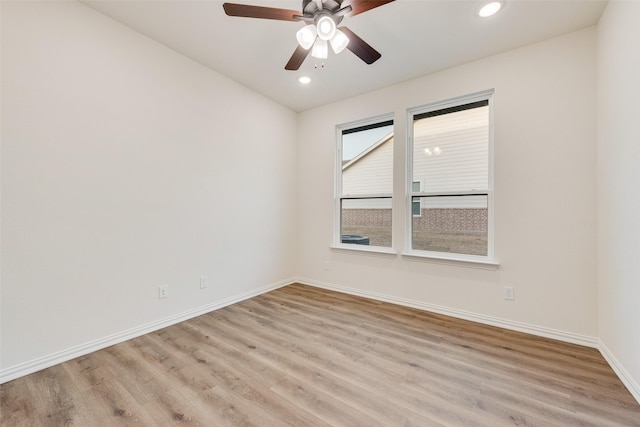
[304, 80]
[490, 9]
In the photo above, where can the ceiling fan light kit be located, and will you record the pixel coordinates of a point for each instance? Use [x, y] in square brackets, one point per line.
[339, 42]
[322, 18]
[320, 49]
[326, 28]
[306, 36]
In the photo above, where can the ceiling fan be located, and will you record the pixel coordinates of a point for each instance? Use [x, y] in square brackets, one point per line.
[322, 18]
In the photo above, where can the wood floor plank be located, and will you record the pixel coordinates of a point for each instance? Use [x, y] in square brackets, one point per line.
[380, 363]
[238, 381]
[17, 404]
[111, 403]
[54, 394]
[303, 356]
[278, 352]
[143, 381]
[349, 368]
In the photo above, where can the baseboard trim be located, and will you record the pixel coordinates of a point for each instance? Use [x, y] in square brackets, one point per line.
[44, 362]
[621, 372]
[541, 331]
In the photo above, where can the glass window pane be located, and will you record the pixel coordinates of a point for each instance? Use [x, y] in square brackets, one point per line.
[366, 222]
[415, 204]
[451, 150]
[451, 224]
[367, 161]
[415, 207]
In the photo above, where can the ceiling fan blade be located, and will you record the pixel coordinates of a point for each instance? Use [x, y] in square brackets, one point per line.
[248, 11]
[298, 57]
[360, 6]
[360, 47]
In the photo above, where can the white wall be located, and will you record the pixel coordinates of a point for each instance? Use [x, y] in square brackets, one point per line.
[618, 196]
[545, 197]
[126, 166]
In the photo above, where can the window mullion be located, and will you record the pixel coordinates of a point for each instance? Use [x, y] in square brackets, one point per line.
[366, 196]
[451, 193]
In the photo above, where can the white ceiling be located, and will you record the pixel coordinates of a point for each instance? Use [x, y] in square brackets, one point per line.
[415, 37]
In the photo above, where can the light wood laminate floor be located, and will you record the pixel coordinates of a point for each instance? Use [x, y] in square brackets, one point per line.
[303, 356]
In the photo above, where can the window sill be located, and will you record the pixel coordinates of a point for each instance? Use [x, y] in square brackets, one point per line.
[470, 261]
[375, 250]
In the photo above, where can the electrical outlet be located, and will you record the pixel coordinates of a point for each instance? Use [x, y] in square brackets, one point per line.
[163, 291]
[508, 293]
[325, 266]
[203, 282]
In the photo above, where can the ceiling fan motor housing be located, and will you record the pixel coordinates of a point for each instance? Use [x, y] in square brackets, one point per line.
[311, 10]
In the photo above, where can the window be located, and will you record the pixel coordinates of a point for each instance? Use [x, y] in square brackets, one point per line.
[449, 174]
[364, 183]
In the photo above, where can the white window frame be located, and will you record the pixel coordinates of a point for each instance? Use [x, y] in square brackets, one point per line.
[338, 197]
[489, 259]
